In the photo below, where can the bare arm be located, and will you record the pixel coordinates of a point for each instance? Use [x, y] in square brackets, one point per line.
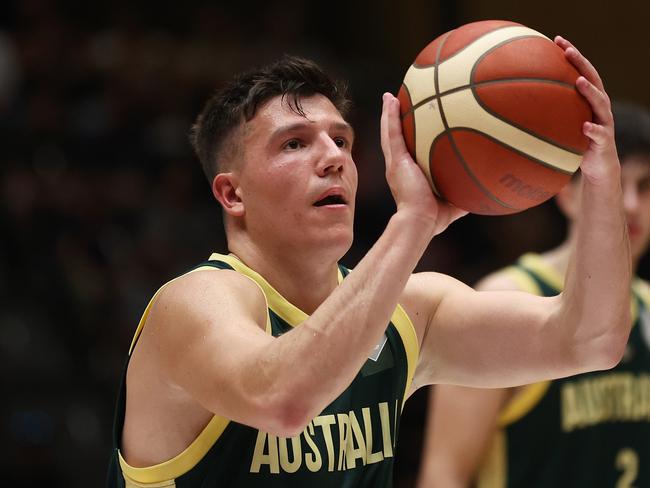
[515, 338]
[461, 421]
[232, 368]
[460, 424]
[598, 280]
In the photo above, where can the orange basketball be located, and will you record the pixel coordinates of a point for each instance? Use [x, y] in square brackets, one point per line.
[491, 113]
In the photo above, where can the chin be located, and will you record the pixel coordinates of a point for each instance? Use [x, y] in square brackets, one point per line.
[336, 237]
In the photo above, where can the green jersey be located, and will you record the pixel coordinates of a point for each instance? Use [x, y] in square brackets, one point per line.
[350, 444]
[586, 431]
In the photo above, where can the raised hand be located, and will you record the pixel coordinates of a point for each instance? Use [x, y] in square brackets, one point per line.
[600, 161]
[406, 180]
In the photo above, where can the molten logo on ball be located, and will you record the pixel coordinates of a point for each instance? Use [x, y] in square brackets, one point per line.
[523, 190]
[489, 106]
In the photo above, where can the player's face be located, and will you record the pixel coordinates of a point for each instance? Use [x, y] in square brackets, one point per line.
[298, 180]
[635, 180]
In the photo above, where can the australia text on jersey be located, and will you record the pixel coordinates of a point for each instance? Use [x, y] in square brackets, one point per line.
[613, 397]
[345, 439]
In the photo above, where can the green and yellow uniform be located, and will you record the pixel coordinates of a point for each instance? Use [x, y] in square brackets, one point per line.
[586, 431]
[350, 444]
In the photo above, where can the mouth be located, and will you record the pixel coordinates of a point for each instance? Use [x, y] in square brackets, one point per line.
[333, 197]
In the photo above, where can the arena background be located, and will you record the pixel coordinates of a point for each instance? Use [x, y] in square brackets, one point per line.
[102, 200]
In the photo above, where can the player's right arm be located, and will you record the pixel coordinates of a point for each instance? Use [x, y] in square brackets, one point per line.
[461, 422]
[206, 329]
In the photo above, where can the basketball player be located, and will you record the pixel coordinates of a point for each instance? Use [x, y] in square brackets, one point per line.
[590, 430]
[272, 366]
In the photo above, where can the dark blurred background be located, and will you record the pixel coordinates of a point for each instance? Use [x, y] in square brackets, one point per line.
[102, 200]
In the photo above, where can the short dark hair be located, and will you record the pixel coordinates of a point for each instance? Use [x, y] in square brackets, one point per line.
[237, 102]
[632, 130]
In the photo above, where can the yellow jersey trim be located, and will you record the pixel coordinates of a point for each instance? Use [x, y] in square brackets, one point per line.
[525, 399]
[129, 483]
[286, 310]
[294, 316]
[549, 274]
[406, 330]
[523, 280]
[530, 395]
[163, 474]
[145, 314]
[523, 402]
[181, 464]
[642, 289]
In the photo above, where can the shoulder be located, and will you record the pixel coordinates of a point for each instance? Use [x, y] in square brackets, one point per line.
[213, 283]
[424, 292]
[205, 298]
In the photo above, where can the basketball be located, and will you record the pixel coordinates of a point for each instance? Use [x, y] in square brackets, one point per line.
[491, 113]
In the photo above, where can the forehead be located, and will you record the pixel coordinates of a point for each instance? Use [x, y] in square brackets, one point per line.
[277, 113]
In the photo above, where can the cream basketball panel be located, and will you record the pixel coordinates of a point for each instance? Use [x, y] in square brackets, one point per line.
[456, 71]
[461, 109]
[420, 83]
[428, 126]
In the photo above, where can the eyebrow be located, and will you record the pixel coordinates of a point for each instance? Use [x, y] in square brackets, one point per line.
[341, 126]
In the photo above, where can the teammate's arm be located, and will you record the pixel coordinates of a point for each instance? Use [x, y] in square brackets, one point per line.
[206, 332]
[461, 422]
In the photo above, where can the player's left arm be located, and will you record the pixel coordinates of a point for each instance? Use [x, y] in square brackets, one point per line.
[498, 339]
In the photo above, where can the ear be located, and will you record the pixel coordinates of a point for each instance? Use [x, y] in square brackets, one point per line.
[568, 199]
[225, 188]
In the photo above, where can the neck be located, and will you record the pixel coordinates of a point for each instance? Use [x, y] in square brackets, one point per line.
[304, 278]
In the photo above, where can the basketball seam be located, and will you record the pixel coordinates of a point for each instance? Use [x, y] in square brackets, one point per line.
[436, 87]
[513, 149]
[472, 86]
[423, 66]
[431, 148]
[449, 135]
[484, 83]
[415, 131]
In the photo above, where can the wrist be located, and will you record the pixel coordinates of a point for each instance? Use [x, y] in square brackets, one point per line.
[423, 221]
[603, 175]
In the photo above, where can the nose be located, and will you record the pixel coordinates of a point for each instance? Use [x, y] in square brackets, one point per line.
[332, 158]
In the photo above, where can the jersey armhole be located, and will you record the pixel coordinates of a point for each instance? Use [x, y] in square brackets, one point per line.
[406, 331]
[163, 474]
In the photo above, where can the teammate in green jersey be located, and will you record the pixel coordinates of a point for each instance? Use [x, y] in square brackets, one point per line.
[269, 367]
[590, 430]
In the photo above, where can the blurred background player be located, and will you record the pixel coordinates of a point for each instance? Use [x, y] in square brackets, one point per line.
[589, 430]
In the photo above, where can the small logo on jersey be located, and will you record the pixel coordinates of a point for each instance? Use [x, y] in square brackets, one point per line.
[376, 352]
[645, 327]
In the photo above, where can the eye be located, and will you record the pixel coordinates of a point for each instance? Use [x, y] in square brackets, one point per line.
[292, 145]
[341, 142]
